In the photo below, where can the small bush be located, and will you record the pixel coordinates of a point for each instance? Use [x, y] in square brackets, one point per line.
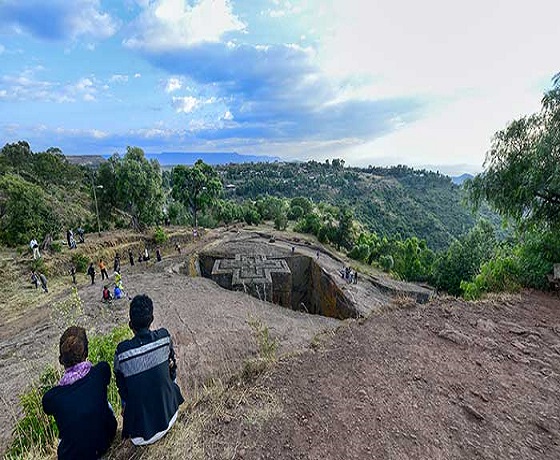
[35, 429]
[56, 246]
[386, 263]
[81, 262]
[39, 266]
[102, 348]
[160, 237]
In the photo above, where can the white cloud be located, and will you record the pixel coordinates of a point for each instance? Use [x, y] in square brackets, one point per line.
[228, 116]
[175, 24]
[185, 104]
[137, 75]
[173, 84]
[89, 97]
[118, 78]
[87, 19]
[468, 60]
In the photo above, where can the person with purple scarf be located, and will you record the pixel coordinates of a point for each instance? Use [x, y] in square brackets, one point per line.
[79, 404]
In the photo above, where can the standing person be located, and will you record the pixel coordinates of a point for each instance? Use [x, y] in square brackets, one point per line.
[73, 273]
[103, 269]
[79, 403]
[35, 248]
[178, 247]
[68, 236]
[146, 256]
[34, 279]
[117, 263]
[43, 280]
[91, 272]
[131, 258]
[145, 372]
[158, 255]
[80, 232]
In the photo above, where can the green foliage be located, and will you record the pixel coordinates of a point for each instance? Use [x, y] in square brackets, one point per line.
[462, 261]
[160, 237]
[139, 187]
[197, 187]
[499, 274]
[521, 179]
[81, 262]
[26, 211]
[39, 266]
[178, 214]
[102, 348]
[537, 251]
[35, 429]
[56, 246]
[251, 215]
[386, 262]
[281, 221]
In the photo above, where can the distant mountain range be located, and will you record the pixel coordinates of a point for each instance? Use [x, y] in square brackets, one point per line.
[211, 158]
[458, 180]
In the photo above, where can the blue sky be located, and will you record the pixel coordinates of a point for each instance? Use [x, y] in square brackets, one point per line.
[374, 82]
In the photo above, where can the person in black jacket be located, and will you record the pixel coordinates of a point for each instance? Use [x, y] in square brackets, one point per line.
[91, 272]
[85, 419]
[145, 372]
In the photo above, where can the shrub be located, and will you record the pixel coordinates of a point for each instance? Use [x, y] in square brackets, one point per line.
[500, 274]
[80, 261]
[160, 237]
[386, 263]
[35, 429]
[56, 246]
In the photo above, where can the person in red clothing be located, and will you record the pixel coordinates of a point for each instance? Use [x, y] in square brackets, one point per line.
[79, 405]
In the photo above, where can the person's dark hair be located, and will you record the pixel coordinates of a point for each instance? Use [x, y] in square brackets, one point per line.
[73, 346]
[141, 312]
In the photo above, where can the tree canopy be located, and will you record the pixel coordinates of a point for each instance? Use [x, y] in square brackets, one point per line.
[197, 187]
[521, 179]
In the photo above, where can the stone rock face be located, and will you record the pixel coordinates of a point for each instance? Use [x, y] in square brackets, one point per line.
[257, 275]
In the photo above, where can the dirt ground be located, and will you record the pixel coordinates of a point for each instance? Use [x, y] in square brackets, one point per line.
[447, 380]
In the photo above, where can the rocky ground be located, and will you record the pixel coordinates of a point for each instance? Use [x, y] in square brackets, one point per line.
[444, 380]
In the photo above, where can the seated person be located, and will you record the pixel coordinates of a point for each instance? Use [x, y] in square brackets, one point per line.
[118, 292]
[85, 419]
[107, 297]
[145, 372]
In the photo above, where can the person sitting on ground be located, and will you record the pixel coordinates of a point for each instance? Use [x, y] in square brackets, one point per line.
[79, 404]
[145, 372]
[118, 292]
[107, 297]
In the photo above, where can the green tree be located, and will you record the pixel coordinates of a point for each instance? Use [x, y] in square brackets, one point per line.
[197, 187]
[462, 261]
[25, 211]
[521, 179]
[139, 187]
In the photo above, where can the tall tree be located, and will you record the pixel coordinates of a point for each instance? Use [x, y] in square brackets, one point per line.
[521, 179]
[197, 187]
[139, 187]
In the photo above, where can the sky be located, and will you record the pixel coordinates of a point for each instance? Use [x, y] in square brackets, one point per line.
[375, 82]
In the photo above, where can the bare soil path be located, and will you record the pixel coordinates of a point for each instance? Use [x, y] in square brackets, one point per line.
[448, 380]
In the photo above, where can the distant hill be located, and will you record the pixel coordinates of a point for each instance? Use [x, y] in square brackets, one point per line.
[85, 160]
[211, 158]
[458, 180]
[389, 201]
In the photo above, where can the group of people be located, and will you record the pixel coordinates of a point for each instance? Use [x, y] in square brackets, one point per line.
[71, 241]
[145, 371]
[39, 278]
[351, 276]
